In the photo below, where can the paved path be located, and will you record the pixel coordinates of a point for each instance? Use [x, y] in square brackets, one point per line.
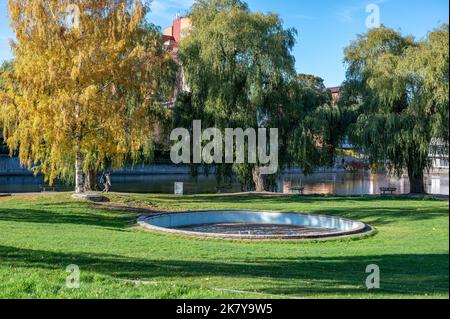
[262, 194]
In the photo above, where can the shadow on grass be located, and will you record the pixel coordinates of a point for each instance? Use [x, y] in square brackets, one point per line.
[59, 214]
[386, 215]
[362, 208]
[407, 274]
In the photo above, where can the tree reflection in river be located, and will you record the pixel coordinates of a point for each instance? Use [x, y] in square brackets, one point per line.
[339, 183]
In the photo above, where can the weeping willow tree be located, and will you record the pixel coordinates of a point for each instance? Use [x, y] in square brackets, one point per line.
[86, 75]
[399, 89]
[240, 71]
[325, 119]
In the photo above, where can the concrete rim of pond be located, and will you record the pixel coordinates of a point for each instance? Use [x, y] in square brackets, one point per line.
[328, 227]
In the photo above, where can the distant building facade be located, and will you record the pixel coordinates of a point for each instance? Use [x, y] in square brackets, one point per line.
[178, 31]
[173, 36]
[439, 155]
[335, 94]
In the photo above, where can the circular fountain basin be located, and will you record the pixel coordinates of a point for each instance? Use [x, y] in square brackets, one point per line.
[262, 225]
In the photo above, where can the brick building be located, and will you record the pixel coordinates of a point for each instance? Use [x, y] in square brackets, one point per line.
[177, 31]
[173, 36]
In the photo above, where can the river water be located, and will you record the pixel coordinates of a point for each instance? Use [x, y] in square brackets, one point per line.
[337, 183]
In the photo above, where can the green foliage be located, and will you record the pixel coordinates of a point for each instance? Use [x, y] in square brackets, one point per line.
[325, 120]
[398, 89]
[240, 70]
[313, 91]
[233, 59]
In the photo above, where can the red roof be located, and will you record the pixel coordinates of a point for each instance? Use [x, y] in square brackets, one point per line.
[168, 38]
[335, 90]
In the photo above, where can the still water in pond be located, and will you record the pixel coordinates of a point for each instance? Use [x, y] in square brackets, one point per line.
[338, 183]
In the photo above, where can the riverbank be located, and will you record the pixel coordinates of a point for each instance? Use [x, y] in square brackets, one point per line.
[338, 183]
[40, 235]
[261, 194]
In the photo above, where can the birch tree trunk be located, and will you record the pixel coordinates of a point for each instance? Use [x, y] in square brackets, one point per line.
[79, 175]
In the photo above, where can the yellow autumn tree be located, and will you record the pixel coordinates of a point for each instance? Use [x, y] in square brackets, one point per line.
[85, 80]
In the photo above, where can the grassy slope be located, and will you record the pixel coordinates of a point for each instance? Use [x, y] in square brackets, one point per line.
[41, 235]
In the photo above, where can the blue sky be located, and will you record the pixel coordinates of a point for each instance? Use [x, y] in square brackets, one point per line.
[324, 27]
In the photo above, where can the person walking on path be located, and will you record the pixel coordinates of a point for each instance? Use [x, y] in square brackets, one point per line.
[106, 181]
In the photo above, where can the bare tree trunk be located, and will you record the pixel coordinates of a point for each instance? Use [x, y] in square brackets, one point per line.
[79, 175]
[258, 179]
[91, 180]
[416, 182]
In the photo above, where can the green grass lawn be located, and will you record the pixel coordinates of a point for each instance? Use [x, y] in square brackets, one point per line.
[41, 235]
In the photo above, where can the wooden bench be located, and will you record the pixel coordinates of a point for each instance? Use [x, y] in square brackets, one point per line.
[299, 189]
[385, 190]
